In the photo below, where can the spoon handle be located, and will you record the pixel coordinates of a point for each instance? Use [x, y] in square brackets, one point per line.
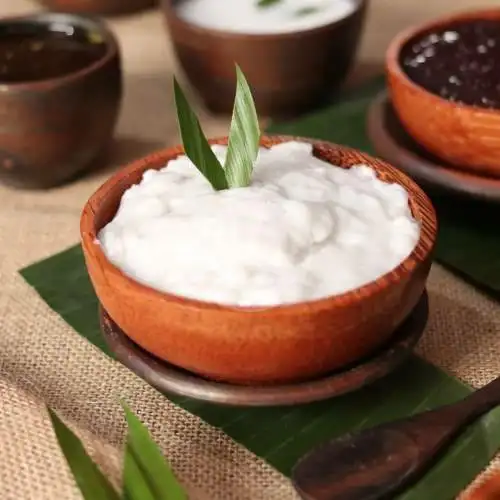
[483, 400]
[430, 429]
[435, 429]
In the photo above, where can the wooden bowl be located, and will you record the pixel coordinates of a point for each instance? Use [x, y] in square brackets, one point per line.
[170, 379]
[466, 136]
[99, 7]
[289, 72]
[488, 487]
[392, 143]
[53, 129]
[258, 345]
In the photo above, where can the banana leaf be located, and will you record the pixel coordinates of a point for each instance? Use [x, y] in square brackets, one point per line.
[281, 435]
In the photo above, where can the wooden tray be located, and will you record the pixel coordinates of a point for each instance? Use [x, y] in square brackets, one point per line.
[169, 378]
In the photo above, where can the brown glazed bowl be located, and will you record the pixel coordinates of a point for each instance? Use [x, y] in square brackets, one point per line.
[465, 136]
[289, 73]
[256, 345]
[53, 129]
[99, 7]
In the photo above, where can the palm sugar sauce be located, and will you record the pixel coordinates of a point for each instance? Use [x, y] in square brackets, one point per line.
[459, 62]
[32, 52]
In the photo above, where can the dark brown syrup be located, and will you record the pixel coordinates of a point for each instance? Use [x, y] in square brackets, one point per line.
[460, 62]
[34, 51]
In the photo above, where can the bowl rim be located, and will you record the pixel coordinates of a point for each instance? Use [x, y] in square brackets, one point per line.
[172, 17]
[394, 68]
[85, 22]
[425, 244]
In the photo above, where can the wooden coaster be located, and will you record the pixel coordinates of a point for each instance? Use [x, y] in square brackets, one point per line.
[169, 378]
[393, 143]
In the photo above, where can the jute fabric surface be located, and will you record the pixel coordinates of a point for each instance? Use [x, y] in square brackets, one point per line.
[44, 362]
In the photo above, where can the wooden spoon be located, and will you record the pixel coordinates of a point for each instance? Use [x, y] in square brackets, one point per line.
[383, 460]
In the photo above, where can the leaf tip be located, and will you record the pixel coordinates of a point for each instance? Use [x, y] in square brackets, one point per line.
[54, 419]
[129, 414]
[240, 76]
[177, 90]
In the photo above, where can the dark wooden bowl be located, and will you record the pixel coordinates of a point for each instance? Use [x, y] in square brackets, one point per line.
[99, 7]
[53, 129]
[258, 345]
[468, 137]
[289, 73]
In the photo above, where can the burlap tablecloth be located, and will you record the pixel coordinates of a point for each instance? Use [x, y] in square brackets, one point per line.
[43, 361]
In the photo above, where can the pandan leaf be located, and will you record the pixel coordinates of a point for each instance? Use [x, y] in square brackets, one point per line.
[267, 3]
[147, 475]
[135, 484]
[306, 11]
[92, 483]
[195, 143]
[244, 135]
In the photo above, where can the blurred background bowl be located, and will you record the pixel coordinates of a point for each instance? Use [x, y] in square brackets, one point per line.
[465, 136]
[289, 73]
[54, 128]
[99, 7]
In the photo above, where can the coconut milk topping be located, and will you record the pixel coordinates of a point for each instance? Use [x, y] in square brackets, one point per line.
[245, 16]
[303, 230]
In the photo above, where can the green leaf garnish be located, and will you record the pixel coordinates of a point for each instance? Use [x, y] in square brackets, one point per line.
[305, 11]
[95, 37]
[267, 3]
[243, 141]
[195, 143]
[244, 135]
[135, 484]
[92, 483]
[147, 475]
